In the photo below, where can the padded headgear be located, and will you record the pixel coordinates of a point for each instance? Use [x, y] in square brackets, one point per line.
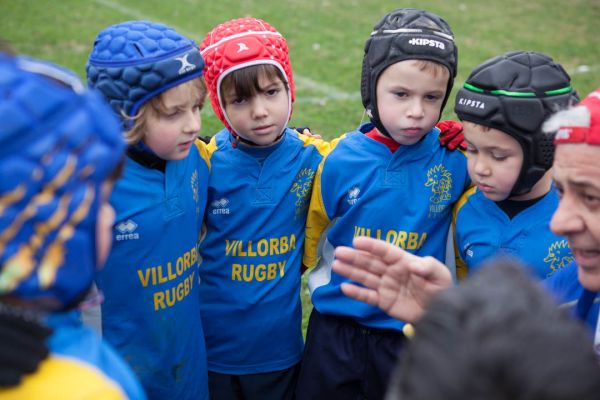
[405, 34]
[133, 61]
[515, 93]
[58, 143]
[241, 43]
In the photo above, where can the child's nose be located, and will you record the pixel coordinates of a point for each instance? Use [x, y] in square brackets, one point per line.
[192, 122]
[416, 109]
[259, 108]
[480, 166]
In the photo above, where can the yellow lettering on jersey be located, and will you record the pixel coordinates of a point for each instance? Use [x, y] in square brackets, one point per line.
[403, 239]
[169, 297]
[163, 273]
[257, 272]
[260, 247]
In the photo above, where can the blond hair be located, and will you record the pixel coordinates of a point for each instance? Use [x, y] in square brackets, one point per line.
[156, 106]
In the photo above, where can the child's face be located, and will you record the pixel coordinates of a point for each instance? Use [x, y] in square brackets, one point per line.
[262, 117]
[494, 160]
[409, 100]
[170, 133]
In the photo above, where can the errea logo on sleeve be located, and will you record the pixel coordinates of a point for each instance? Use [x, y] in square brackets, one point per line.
[427, 42]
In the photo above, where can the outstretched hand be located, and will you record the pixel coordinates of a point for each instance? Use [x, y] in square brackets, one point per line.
[398, 282]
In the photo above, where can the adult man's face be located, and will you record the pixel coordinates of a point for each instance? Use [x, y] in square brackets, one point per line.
[577, 176]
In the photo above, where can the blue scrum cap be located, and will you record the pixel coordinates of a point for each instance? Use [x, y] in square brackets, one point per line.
[133, 61]
[58, 143]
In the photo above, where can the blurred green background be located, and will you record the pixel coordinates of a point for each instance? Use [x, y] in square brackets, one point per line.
[326, 40]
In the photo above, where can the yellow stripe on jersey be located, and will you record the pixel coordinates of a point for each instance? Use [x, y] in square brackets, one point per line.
[316, 222]
[205, 150]
[323, 147]
[462, 270]
[65, 378]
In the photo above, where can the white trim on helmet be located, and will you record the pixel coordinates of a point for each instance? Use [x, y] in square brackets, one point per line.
[413, 30]
[238, 35]
[249, 64]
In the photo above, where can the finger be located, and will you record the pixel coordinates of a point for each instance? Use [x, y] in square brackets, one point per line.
[431, 270]
[361, 276]
[387, 252]
[359, 293]
[359, 259]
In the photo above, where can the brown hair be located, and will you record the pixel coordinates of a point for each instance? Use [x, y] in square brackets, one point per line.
[484, 128]
[244, 82]
[156, 106]
[432, 67]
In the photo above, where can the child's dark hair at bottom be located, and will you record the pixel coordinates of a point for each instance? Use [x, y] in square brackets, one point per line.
[497, 336]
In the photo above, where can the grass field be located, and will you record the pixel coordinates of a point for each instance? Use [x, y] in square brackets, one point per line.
[326, 39]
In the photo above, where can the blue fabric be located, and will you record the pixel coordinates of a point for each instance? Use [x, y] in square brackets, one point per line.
[151, 313]
[71, 338]
[566, 289]
[134, 61]
[52, 132]
[404, 198]
[251, 256]
[484, 231]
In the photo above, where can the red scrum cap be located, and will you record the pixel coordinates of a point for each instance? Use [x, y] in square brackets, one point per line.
[579, 124]
[241, 43]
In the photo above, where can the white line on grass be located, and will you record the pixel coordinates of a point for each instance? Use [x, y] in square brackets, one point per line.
[584, 69]
[327, 92]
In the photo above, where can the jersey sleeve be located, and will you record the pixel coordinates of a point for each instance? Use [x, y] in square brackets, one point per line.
[324, 147]
[316, 222]
[462, 269]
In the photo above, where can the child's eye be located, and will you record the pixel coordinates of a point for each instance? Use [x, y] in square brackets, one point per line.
[171, 114]
[432, 97]
[471, 150]
[272, 92]
[238, 101]
[400, 94]
[499, 157]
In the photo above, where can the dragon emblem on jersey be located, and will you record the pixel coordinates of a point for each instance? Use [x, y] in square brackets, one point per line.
[439, 179]
[302, 188]
[559, 255]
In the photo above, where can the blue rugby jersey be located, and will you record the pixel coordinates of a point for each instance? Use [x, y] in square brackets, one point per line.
[151, 312]
[252, 252]
[363, 189]
[565, 287]
[483, 230]
[80, 366]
